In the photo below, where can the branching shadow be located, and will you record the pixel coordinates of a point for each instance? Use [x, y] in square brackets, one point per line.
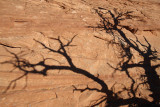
[27, 67]
[127, 46]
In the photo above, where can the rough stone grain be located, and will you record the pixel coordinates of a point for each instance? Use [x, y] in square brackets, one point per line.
[24, 21]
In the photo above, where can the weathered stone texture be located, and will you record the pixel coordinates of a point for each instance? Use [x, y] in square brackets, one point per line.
[22, 21]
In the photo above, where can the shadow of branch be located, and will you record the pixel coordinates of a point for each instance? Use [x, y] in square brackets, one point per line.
[111, 25]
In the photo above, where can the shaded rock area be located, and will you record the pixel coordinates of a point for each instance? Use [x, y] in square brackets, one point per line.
[36, 35]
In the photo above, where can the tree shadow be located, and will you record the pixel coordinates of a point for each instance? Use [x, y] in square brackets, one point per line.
[111, 24]
[27, 67]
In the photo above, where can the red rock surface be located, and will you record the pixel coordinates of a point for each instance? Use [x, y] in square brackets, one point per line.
[22, 21]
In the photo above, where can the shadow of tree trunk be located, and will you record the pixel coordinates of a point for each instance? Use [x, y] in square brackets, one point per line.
[126, 44]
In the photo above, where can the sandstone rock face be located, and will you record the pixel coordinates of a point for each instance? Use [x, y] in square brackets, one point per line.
[27, 24]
